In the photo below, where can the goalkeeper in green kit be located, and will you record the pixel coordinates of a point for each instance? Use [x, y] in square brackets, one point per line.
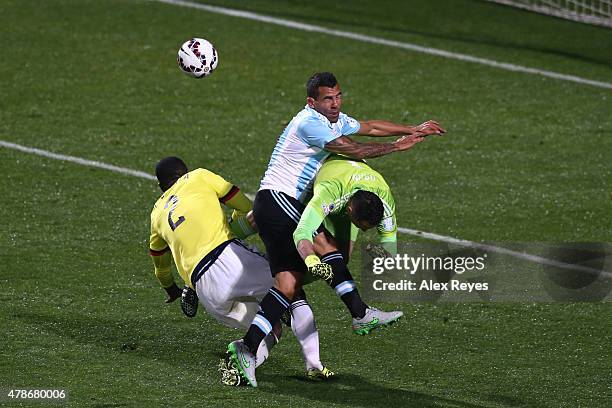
[348, 196]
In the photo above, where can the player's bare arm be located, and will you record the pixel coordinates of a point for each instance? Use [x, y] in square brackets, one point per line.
[378, 128]
[348, 147]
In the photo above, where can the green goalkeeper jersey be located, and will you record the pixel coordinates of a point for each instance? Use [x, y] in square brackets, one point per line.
[337, 180]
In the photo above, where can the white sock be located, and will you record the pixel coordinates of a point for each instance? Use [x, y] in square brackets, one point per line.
[305, 330]
[264, 348]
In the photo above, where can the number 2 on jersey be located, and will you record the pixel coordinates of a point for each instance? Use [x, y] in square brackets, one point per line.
[173, 202]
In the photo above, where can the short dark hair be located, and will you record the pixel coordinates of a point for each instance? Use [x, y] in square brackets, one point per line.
[168, 170]
[367, 206]
[319, 79]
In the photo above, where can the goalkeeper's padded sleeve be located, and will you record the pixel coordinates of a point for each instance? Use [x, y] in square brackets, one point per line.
[308, 225]
[241, 227]
[162, 264]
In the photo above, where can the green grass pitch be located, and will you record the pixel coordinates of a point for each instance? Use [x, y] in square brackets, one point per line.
[526, 158]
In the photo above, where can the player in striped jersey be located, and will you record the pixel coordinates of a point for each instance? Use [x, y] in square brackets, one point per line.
[320, 129]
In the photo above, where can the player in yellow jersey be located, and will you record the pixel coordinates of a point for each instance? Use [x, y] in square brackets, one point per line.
[188, 226]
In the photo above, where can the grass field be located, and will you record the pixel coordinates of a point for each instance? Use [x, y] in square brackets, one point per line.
[526, 158]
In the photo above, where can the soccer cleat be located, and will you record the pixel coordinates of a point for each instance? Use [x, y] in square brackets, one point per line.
[189, 302]
[243, 360]
[314, 374]
[229, 373]
[374, 318]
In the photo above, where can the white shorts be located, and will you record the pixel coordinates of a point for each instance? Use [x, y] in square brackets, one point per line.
[231, 289]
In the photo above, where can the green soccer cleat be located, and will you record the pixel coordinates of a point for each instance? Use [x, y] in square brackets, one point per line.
[325, 374]
[243, 360]
[373, 319]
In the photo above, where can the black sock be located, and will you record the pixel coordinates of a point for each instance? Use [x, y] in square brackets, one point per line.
[272, 307]
[343, 284]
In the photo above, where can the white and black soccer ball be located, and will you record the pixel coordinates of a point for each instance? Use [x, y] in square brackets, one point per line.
[197, 58]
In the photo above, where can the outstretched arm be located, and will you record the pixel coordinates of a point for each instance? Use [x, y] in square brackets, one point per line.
[348, 147]
[384, 128]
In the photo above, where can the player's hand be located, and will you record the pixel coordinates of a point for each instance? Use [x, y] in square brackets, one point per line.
[251, 219]
[319, 269]
[173, 292]
[431, 127]
[406, 142]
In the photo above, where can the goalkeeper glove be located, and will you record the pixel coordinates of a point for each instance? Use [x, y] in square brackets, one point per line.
[174, 292]
[319, 269]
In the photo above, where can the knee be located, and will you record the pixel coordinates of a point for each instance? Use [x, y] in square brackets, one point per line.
[288, 284]
[324, 244]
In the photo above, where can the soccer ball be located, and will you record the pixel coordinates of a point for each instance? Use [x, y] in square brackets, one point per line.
[197, 58]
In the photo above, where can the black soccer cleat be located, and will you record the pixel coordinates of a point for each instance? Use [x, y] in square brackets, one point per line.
[189, 302]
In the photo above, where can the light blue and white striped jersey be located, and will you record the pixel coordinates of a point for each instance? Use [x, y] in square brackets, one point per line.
[299, 152]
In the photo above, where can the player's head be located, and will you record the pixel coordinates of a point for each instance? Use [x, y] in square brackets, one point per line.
[323, 94]
[365, 209]
[168, 170]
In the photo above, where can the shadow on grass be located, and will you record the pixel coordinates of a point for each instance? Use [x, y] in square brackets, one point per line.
[173, 343]
[355, 391]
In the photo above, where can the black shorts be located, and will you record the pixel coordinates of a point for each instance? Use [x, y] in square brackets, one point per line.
[277, 216]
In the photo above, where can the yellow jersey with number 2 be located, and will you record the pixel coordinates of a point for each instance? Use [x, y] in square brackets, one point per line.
[189, 221]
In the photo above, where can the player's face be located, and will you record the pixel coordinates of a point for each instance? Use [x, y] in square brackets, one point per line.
[328, 103]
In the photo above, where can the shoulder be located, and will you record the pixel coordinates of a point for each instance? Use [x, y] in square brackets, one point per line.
[327, 190]
[201, 175]
[157, 206]
[348, 120]
[310, 121]
[199, 172]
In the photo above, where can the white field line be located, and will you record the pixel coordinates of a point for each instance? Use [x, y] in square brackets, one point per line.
[390, 43]
[77, 160]
[428, 235]
[504, 251]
